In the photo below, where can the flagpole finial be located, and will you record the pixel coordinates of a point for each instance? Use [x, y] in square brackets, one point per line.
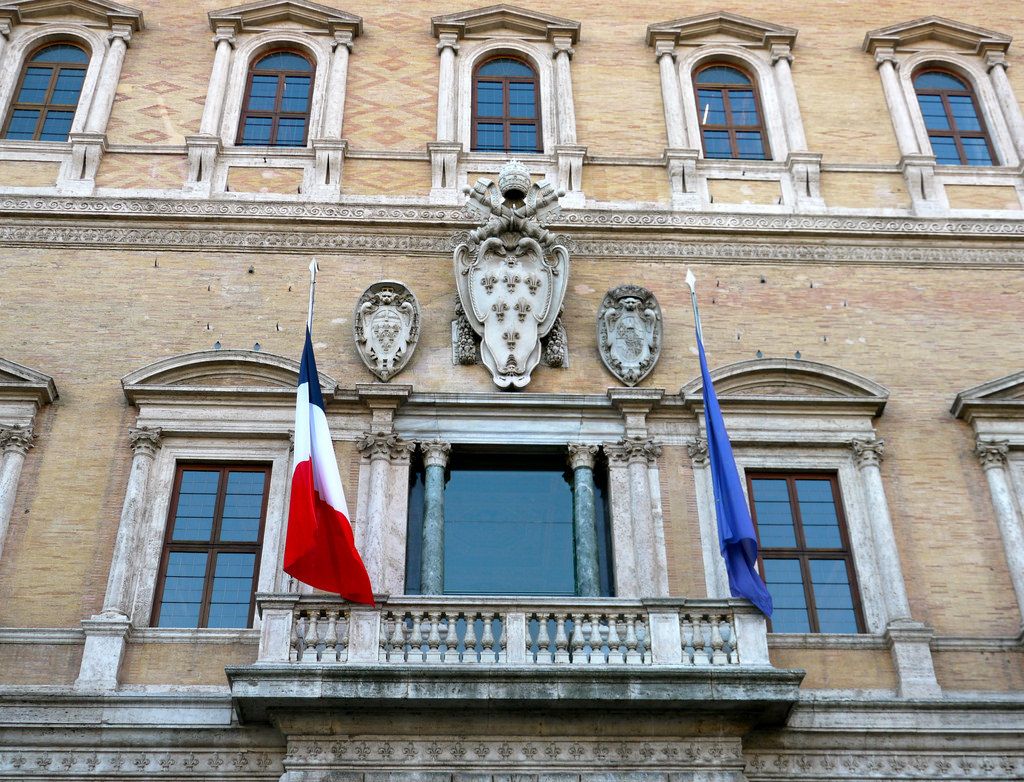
[314, 267]
[691, 281]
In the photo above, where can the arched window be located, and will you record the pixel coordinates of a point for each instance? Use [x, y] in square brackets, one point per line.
[506, 107]
[729, 112]
[954, 124]
[277, 99]
[47, 95]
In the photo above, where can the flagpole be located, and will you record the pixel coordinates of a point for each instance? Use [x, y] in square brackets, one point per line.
[313, 269]
[691, 282]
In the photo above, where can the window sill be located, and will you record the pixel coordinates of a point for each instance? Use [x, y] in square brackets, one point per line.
[209, 635]
[826, 641]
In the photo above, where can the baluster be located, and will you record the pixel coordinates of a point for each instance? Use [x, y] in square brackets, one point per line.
[734, 653]
[487, 639]
[717, 643]
[343, 625]
[595, 641]
[644, 639]
[700, 655]
[293, 641]
[561, 639]
[579, 657]
[386, 632]
[633, 656]
[543, 640]
[686, 631]
[396, 652]
[450, 641]
[415, 638]
[330, 654]
[312, 650]
[469, 654]
[503, 639]
[434, 638]
[615, 656]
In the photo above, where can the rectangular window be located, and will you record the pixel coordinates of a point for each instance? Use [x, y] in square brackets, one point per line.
[805, 553]
[211, 549]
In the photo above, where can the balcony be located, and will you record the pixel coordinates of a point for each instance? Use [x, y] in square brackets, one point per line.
[484, 653]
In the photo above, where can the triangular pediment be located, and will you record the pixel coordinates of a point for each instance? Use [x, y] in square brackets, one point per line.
[999, 398]
[19, 382]
[923, 33]
[720, 25]
[505, 19]
[787, 382]
[91, 12]
[269, 14]
[218, 372]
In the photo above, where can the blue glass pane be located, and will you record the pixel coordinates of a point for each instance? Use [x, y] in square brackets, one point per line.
[945, 150]
[61, 52]
[291, 132]
[964, 115]
[521, 100]
[774, 514]
[744, 107]
[508, 532]
[750, 146]
[933, 112]
[23, 123]
[56, 126]
[257, 130]
[490, 137]
[785, 583]
[977, 152]
[414, 533]
[818, 513]
[832, 596]
[232, 590]
[263, 93]
[296, 94]
[716, 144]
[523, 138]
[68, 87]
[935, 80]
[183, 589]
[197, 500]
[721, 74]
[506, 67]
[243, 507]
[283, 61]
[711, 108]
[34, 85]
[489, 100]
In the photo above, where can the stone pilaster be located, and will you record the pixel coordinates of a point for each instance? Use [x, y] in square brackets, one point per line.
[584, 519]
[648, 533]
[435, 460]
[995, 62]
[383, 548]
[14, 444]
[992, 454]
[716, 580]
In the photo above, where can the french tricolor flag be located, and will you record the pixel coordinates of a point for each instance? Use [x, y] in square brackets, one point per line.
[319, 549]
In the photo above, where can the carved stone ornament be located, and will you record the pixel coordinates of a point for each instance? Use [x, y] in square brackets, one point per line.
[629, 333]
[510, 273]
[387, 327]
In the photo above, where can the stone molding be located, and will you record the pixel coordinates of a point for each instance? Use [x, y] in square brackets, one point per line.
[98, 12]
[16, 439]
[582, 455]
[73, 763]
[255, 17]
[384, 445]
[868, 452]
[435, 452]
[999, 399]
[841, 764]
[992, 453]
[905, 34]
[754, 31]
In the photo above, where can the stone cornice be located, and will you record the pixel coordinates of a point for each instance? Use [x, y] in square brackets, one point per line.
[1002, 398]
[965, 36]
[99, 13]
[21, 383]
[479, 22]
[267, 13]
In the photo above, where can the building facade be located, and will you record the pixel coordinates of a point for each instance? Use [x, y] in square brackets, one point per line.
[503, 202]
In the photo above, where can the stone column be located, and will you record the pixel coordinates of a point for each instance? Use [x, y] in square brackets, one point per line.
[623, 547]
[716, 579]
[885, 59]
[671, 95]
[224, 42]
[997, 65]
[329, 148]
[447, 48]
[992, 455]
[648, 540]
[563, 90]
[383, 561]
[334, 108]
[117, 602]
[781, 58]
[14, 444]
[584, 519]
[110, 74]
[435, 459]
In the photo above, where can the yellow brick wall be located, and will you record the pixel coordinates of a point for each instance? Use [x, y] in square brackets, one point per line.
[967, 670]
[385, 177]
[245, 179]
[40, 663]
[182, 663]
[839, 668]
[983, 197]
[860, 190]
[25, 173]
[626, 183]
[142, 171]
[744, 191]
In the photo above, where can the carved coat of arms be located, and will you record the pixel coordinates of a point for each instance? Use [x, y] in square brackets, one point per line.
[629, 332]
[387, 327]
[511, 274]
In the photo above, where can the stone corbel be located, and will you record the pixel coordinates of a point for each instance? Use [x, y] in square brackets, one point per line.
[327, 169]
[203, 151]
[681, 167]
[910, 645]
[805, 174]
[78, 173]
[927, 196]
[444, 172]
[634, 404]
[105, 642]
[570, 174]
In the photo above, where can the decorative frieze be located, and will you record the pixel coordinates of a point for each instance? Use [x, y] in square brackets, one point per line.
[386, 325]
[151, 762]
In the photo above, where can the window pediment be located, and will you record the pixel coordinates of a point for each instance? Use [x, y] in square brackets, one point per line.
[94, 13]
[781, 384]
[720, 26]
[999, 398]
[495, 20]
[20, 384]
[236, 373]
[916, 35]
[268, 14]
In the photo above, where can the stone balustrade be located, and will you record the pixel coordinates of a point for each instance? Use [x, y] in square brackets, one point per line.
[495, 632]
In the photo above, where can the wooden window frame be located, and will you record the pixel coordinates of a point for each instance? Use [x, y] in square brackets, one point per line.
[954, 132]
[45, 107]
[506, 120]
[802, 552]
[729, 127]
[276, 115]
[212, 547]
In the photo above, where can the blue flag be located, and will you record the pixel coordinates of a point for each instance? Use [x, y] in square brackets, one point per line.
[736, 536]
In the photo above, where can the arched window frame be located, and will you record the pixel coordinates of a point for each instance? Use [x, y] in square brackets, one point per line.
[506, 120]
[731, 129]
[47, 105]
[244, 109]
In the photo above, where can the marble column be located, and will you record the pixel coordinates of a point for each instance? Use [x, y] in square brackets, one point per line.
[648, 540]
[782, 59]
[997, 65]
[383, 561]
[868, 457]
[117, 602]
[435, 460]
[623, 548]
[563, 91]
[110, 75]
[992, 455]
[584, 519]
[224, 41]
[334, 108]
[898, 109]
[14, 444]
[447, 88]
[671, 96]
